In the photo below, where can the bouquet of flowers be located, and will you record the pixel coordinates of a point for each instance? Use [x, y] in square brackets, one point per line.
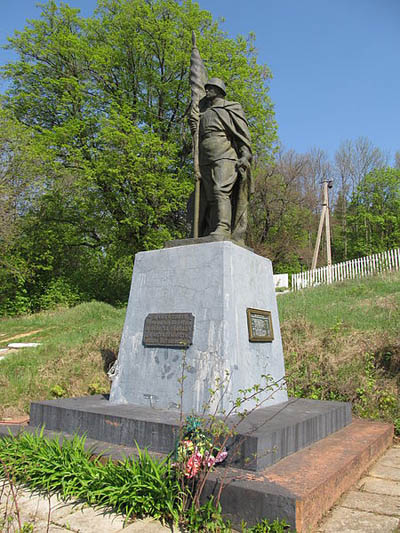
[196, 451]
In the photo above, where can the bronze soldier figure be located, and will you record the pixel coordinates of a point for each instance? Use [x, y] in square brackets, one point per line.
[224, 157]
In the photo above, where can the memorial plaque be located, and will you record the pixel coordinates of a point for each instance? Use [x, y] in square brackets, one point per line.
[259, 323]
[168, 330]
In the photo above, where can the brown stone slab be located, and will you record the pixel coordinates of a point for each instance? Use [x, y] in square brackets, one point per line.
[19, 420]
[314, 478]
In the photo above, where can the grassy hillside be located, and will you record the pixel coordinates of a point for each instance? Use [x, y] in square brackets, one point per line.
[341, 342]
[77, 344]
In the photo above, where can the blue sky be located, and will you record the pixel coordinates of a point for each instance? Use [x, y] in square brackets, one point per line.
[335, 63]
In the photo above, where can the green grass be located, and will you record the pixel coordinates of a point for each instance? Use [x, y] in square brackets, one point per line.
[368, 304]
[66, 327]
[76, 343]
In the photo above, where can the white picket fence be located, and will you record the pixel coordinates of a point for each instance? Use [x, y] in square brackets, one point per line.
[355, 268]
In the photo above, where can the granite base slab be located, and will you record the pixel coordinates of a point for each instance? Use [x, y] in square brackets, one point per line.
[263, 438]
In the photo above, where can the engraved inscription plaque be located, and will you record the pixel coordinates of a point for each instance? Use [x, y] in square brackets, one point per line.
[168, 330]
[259, 323]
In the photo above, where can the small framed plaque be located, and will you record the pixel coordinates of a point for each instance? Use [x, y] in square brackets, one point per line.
[259, 323]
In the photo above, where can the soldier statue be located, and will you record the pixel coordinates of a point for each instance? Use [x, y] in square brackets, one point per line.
[224, 154]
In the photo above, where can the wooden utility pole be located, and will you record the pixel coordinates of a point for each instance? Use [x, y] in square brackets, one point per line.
[324, 218]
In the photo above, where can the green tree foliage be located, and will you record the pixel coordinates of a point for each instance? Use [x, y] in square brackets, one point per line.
[374, 213]
[105, 98]
[23, 167]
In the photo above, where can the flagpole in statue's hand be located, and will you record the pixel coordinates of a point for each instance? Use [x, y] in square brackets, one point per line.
[198, 78]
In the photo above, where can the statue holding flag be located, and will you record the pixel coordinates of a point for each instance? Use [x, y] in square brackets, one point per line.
[222, 157]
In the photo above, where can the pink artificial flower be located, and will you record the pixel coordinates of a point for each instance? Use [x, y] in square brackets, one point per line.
[188, 445]
[209, 460]
[221, 456]
[193, 465]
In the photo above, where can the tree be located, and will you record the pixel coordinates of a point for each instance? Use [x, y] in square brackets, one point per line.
[374, 213]
[397, 159]
[22, 170]
[106, 97]
[353, 161]
[285, 207]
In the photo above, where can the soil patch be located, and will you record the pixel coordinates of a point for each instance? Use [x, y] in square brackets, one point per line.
[20, 335]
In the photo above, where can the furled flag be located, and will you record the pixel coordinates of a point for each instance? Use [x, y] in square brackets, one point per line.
[198, 78]
[198, 74]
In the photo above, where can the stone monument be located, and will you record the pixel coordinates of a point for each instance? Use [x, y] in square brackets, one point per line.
[206, 308]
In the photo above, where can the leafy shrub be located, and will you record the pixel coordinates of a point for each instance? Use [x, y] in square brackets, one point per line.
[59, 292]
[58, 391]
[97, 388]
[135, 486]
[18, 304]
[277, 526]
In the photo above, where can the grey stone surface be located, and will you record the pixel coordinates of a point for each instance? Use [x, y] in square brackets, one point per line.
[350, 520]
[386, 471]
[41, 527]
[376, 503]
[373, 504]
[380, 486]
[217, 282]
[202, 240]
[147, 526]
[34, 509]
[89, 519]
[392, 457]
[265, 436]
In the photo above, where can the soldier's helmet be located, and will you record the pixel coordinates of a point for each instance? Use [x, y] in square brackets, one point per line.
[217, 83]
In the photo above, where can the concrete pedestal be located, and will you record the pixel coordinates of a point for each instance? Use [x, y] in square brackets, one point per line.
[216, 282]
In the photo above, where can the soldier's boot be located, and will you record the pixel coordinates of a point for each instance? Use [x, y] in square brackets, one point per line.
[224, 215]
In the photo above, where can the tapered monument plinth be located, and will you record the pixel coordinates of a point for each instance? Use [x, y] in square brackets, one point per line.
[216, 282]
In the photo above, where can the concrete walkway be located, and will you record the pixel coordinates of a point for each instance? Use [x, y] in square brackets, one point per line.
[372, 506]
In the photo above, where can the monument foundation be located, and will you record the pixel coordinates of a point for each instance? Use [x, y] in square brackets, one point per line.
[220, 298]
